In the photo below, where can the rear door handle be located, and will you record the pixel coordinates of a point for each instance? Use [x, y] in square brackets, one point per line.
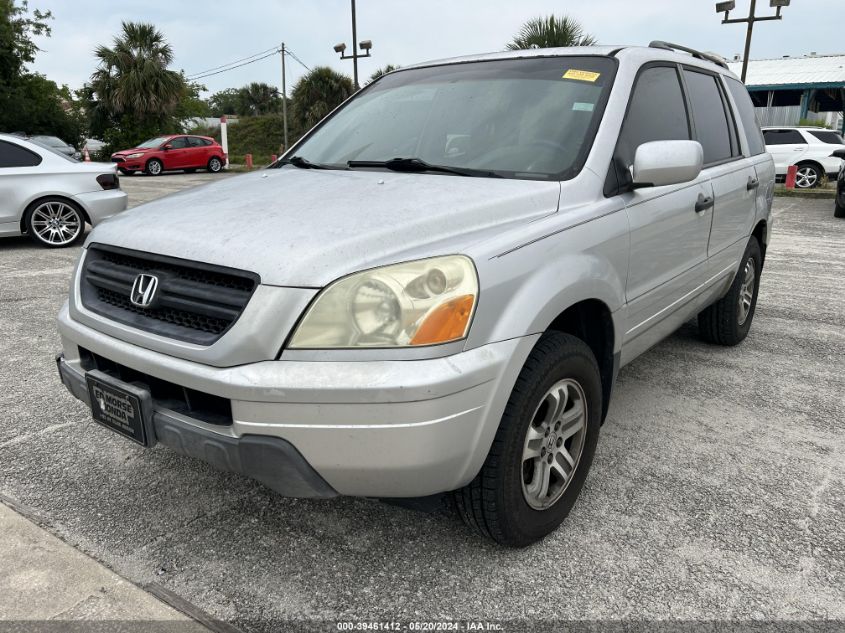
[703, 203]
[753, 183]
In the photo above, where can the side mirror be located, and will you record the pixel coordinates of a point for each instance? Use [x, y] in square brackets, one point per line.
[167, 147]
[840, 153]
[661, 163]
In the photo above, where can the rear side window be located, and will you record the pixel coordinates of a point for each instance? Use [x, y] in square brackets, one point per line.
[12, 155]
[196, 141]
[712, 128]
[657, 112]
[745, 109]
[831, 138]
[207, 141]
[783, 137]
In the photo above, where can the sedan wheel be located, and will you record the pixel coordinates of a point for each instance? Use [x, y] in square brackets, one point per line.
[215, 165]
[55, 224]
[807, 177]
[154, 167]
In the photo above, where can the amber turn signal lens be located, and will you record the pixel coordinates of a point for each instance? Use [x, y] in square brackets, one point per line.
[447, 322]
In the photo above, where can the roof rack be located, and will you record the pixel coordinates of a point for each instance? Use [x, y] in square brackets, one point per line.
[668, 46]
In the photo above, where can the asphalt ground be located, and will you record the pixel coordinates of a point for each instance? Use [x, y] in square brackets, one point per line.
[716, 492]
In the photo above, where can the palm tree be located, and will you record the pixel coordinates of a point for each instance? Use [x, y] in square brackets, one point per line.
[382, 71]
[551, 32]
[259, 98]
[132, 76]
[316, 94]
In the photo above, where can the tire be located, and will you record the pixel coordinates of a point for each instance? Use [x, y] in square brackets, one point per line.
[727, 322]
[154, 167]
[215, 165]
[810, 174]
[838, 210]
[504, 501]
[55, 223]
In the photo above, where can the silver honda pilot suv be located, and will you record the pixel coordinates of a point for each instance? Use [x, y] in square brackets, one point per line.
[433, 291]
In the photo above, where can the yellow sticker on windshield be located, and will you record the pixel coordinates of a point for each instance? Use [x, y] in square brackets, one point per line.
[581, 75]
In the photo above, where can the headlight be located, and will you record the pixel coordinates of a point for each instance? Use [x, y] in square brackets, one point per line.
[135, 155]
[425, 302]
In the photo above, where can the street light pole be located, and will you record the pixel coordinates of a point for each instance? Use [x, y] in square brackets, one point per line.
[354, 47]
[729, 6]
[284, 98]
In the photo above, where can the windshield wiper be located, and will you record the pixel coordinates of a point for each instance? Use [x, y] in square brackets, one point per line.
[304, 163]
[419, 165]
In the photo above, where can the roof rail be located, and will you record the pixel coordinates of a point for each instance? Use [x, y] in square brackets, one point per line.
[668, 46]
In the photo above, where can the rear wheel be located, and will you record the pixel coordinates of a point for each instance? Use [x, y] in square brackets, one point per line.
[808, 176]
[154, 167]
[543, 448]
[728, 321]
[55, 223]
[215, 165]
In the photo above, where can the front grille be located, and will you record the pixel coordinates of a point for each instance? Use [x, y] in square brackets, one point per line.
[118, 159]
[166, 395]
[194, 302]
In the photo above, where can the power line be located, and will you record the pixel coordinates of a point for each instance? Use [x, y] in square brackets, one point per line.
[258, 59]
[272, 50]
[292, 54]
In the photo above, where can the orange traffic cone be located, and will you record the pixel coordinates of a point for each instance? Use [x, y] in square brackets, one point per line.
[86, 155]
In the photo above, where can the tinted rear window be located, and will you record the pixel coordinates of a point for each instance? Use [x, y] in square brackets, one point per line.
[12, 155]
[783, 137]
[747, 115]
[832, 138]
[712, 129]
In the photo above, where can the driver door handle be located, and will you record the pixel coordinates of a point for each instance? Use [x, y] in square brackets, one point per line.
[703, 203]
[753, 183]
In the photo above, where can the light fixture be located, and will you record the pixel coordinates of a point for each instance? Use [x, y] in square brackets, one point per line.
[779, 3]
[724, 7]
[339, 48]
[366, 45]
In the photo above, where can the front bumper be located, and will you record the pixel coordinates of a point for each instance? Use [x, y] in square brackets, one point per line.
[367, 428]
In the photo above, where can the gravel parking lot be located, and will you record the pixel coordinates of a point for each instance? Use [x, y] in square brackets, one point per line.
[716, 493]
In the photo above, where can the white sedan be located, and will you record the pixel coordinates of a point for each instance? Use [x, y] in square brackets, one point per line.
[51, 197]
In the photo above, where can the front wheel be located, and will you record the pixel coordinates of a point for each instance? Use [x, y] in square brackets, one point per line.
[543, 448]
[215, 165]
[838, 210]
[728, 321]
[154, 167]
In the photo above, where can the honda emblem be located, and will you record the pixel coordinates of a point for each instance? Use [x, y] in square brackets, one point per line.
[144, 291]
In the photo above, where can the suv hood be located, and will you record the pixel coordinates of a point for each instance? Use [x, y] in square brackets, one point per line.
[306, 228]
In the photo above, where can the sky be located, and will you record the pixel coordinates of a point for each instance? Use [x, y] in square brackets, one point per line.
[206, 34]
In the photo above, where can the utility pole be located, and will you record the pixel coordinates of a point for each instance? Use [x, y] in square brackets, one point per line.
[729, 6]
[284, 98]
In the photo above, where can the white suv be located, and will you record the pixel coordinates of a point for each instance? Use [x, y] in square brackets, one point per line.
[808, 147]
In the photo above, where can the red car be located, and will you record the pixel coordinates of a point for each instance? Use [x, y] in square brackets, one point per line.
[168, 153]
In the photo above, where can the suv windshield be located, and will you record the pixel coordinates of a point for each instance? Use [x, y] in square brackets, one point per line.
[154, 142]
[515, 118]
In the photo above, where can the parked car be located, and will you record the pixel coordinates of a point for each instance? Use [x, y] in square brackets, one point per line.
[93, 145]
[170, 153]
[434, 290]
[49, 196]
[839, 204]
[58, 145]
[808, 147]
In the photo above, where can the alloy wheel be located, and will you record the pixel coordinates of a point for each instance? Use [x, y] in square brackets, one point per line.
[554, 444]
[56, 223]
[154, 168]
[806, 177]
[746, 291]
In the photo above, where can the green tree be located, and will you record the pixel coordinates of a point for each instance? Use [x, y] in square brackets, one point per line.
[225, 102]
[134, 93]
[382, 71]
[17, 29]
[315, 95]
[551, 32]
[258, 98]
